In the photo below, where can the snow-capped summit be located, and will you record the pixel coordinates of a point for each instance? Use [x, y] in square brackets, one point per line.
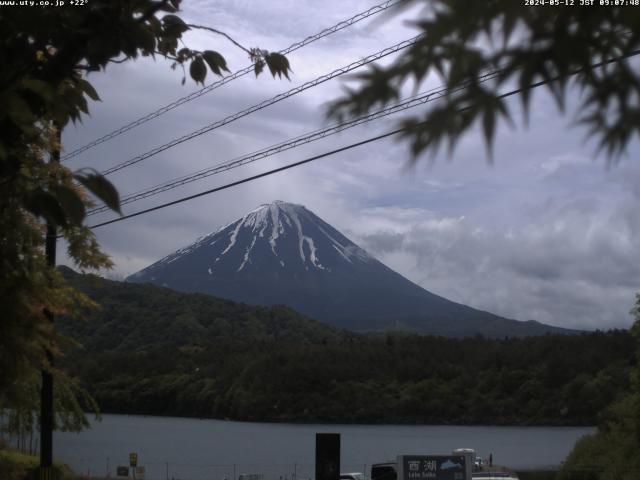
[274, 236]
[282, 253]
[279, 224]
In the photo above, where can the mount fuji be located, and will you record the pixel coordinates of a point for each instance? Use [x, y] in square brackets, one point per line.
[282, 253]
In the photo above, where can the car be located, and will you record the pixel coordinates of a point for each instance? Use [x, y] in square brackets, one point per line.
[494, 476]
[352, 476]
[384, 471]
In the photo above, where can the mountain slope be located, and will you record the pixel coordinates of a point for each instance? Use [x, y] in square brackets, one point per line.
[282, 253]
[137, 317]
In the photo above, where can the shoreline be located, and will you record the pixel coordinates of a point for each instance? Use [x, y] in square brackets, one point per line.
[311, 421]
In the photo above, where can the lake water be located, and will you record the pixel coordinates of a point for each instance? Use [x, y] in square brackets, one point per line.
[192, 449]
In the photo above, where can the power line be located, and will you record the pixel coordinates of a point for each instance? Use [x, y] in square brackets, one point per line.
[353, 145]
[413, 102]
[231, 118]
[161, 111]
[249, 179]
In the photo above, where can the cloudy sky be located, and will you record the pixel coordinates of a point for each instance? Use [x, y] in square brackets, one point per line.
[547, 232]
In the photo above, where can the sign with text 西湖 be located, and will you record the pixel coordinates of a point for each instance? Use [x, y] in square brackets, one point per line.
[431, 467]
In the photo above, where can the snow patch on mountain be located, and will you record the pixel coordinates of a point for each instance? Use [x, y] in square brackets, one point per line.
[347, 251]
[233, 236]
[312, 254]
[276, 228]
[246, 254]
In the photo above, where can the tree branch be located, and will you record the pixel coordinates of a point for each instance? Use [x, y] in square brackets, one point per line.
[87, 68]
[202, 27]
[167, 56]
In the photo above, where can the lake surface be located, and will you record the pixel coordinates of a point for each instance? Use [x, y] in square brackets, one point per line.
[192, 449]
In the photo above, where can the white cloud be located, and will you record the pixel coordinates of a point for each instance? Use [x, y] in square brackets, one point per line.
[569, 266]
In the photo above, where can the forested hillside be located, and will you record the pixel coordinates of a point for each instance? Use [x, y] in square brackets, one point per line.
[140, 316]
[154, 351]
[556, 380]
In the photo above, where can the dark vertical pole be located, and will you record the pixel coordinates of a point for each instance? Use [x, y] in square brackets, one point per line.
[327, 456]
[46, 394]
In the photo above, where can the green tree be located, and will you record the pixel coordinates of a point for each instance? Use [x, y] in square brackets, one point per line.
[45, 54]
[518, 45]
[613, 452]
[635, 374]
[21, 420]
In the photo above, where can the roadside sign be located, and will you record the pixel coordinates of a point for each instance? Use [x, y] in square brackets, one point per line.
[122, 471]
[133, 459]
[431, 467]
[139, 473]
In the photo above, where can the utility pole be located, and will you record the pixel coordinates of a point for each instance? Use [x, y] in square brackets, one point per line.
[46, 393]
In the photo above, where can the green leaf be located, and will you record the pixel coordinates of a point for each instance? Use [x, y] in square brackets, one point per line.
[258, 67]
[155, 25]
[488, 126]
[71, 203]
[87, 88]
[81, 102]
[166, 45]
[526, 78]
[100, 187]
[278, 64]
[40, 88]
[20, 113]
[145, 38]
[174, 25]
[198, 70]
[216, 62]
[169, 7]
[44, 204]
[509, 22]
